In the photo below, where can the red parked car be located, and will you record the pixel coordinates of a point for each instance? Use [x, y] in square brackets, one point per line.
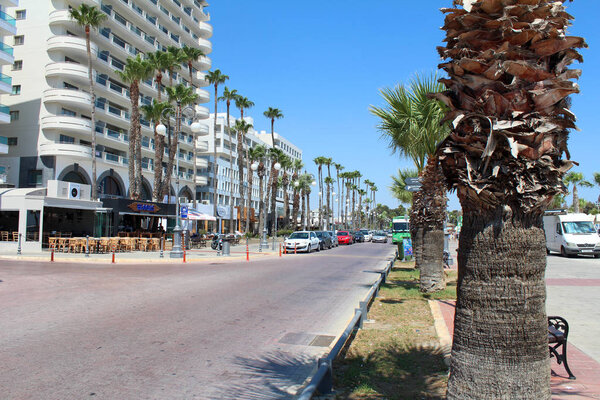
[344, 237]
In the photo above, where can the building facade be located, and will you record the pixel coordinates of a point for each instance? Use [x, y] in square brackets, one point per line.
[49, 137]
[8, 30]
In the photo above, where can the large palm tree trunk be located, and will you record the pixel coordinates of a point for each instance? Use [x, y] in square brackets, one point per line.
[133, 189]
[249, 199]
[159, 149]
[500, 348]
[215, 166]
[575, 199]
[93, 121]
[261, 203]
[240, 164]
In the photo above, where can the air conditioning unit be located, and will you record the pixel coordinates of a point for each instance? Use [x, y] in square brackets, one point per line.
[74, 191]
[205, 202]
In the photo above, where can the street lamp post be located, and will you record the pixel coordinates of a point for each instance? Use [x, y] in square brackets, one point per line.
[332, 212]
[296, 184]
[177, 251]
[277, 167]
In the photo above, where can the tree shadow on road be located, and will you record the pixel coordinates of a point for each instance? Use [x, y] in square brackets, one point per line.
[277, 375]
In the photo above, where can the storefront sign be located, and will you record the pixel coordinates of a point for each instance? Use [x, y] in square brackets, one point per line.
[144, 207]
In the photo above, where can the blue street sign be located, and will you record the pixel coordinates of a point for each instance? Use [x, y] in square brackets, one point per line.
[408, 250]
[183, 211]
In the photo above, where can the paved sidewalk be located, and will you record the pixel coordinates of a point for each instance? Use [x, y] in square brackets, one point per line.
[587, 371]
[207, 254]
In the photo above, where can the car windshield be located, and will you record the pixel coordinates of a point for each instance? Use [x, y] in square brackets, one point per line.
[319, 234]
[342, 233]
[576, 227]
[400, 226]
[299, 235]
[378, 233]
[364, 231]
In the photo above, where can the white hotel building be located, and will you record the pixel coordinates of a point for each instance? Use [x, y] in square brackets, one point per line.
[8, 29]
[227, 176]
[49, 135]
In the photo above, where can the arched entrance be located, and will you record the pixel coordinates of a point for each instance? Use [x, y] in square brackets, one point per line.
[110, 186]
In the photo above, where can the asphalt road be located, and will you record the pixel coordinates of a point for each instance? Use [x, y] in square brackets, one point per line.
[195, 331]
[573, 287]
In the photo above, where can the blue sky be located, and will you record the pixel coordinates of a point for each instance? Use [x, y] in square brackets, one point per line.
[323, 64]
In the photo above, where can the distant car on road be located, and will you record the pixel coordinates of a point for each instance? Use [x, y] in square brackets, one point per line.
[334, 238]
[358, 236]
[302, 241]
[324, 240]
[344, 237]
[379, 237]
[367, 234]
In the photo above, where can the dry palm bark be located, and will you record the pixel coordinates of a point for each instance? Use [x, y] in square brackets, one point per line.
[431, 219]
[507, 93]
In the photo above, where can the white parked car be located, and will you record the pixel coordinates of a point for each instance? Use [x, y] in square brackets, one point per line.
[367, 234]
[302, 241]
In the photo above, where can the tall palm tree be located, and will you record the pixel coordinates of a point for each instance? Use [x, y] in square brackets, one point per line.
[597, 182]
[319, 162]
[256, 154]
[177, 56]
[412, 123]
[90, 17]
[160, 61]
[576, 179]
[304, 187]
[136, 69]
[297, 166]
[506, 86]
[273, 114]
[328, 182]
[190, 55]
[243, 103]
[286, 164]
[338, 169]
[374, 191]
[260, 153]
[215, 78]
[275, 155]
[154, 112]
[181, 96]
[229, 96]
[241, 128]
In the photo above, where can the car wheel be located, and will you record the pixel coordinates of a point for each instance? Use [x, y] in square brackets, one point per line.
[596, 255]
[563, 252]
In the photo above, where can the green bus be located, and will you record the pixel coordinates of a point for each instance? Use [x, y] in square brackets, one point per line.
[400, 229]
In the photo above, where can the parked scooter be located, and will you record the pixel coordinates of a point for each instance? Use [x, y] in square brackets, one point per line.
[217, 242]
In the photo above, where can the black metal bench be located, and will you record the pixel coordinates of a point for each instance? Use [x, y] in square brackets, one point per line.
[558, 331]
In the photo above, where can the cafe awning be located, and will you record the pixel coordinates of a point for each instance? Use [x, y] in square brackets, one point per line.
[74, 204]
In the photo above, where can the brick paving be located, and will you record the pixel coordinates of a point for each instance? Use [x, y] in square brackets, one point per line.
[587, 371]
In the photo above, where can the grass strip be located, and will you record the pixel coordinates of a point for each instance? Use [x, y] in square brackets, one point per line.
[396, 355]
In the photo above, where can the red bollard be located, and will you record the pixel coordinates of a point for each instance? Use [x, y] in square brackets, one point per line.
[284, 249]
[279, 249]
[247, 254]
[295, 247]
[52, 255]
[183, 245]
[113, 256]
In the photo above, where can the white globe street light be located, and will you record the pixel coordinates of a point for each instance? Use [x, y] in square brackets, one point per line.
[254, 166]
[296, 183]
[196, 127]
[277, 166]
[161, 130]
[313, 183]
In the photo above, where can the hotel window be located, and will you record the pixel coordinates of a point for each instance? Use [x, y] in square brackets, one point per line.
[12, 141]
[67, 112]
[19, 40]
[17, 65]
[66, 139]
[20, 14]
[14, 116]
[16, 89]
[34, 177]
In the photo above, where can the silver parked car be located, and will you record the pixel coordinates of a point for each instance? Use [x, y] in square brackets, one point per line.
[379, 237]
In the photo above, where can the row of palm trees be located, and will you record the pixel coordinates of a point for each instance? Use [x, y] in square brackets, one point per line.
[348, 190]
[138, 69]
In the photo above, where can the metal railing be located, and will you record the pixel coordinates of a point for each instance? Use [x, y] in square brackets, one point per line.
[322, 380]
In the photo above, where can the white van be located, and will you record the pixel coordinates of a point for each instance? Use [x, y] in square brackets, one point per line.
[571, 234]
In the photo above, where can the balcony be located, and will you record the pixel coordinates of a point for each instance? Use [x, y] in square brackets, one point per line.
[5, 83]
[71, 46]
[6, 54]
[8, 25]
[69, 97]
[61, 17]
[67, 124]
[201, 180]
[206, 30]
[9, 3]
[201, 163]
[72, 151]
[4, 114]
[76, 72]
[204, 45]
[201, 146]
